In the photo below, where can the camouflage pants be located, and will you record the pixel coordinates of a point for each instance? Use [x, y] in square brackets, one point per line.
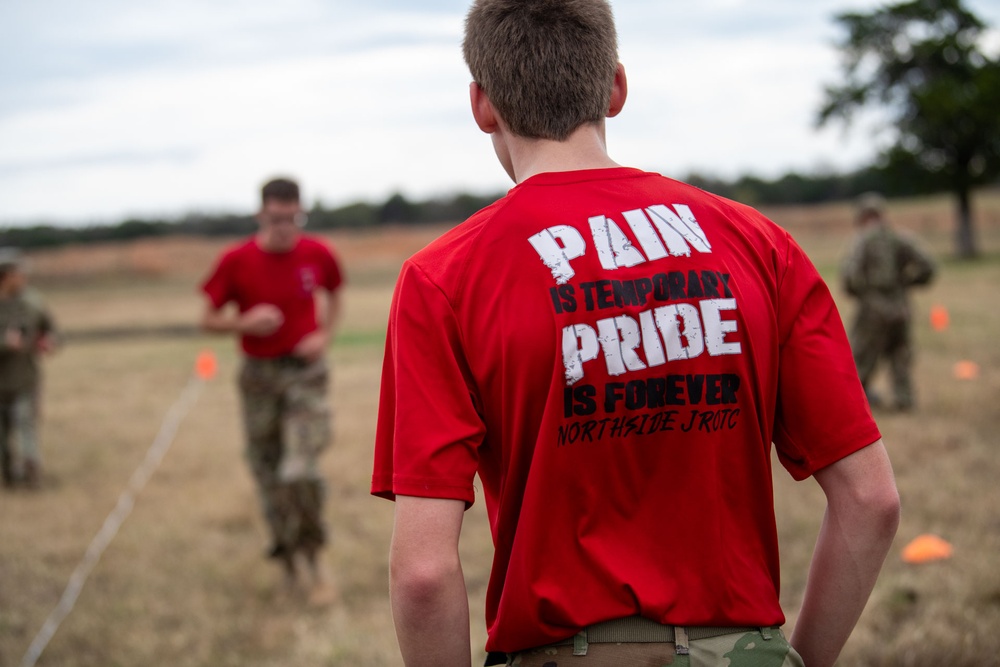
[883, 333]
[18, 434]
[287, 422]
[761, 648]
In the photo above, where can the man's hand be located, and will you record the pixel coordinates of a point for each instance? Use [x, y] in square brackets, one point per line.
[261, 320]
[312, 346]
[13, 339]
[46, 344]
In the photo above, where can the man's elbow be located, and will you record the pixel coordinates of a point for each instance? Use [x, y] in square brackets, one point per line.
[879, 505]
[861, 490]
[888, 507]
[422, 582]
[211, 322]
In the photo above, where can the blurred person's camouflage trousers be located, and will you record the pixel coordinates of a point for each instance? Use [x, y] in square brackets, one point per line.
[287, 420]
[19, 457]
[881, 330]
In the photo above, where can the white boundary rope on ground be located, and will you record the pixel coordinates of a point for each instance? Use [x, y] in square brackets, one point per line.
[126, 501]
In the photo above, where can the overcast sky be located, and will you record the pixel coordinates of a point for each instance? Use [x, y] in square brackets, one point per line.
[114, 108]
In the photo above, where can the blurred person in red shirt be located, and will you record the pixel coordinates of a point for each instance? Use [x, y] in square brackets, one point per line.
[279, 294]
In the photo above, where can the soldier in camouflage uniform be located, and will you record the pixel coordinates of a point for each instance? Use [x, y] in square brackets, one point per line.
[880, 268]
[285, 286]
[26, 331]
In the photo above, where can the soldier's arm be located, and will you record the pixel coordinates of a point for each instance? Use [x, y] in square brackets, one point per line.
[430, 605]
[261, 320]
[313, 345]
[918, 266]
[858, 528]
[334, 308]
[10, 335]
[11, 341]
[218, 320]
[852, 271]
[48, 339]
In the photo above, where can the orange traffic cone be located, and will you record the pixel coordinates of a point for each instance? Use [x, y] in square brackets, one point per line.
[205, 366]
[966, 370]
[926, 548]
[939, 318]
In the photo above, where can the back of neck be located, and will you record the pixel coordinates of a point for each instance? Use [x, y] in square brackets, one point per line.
[584, 149]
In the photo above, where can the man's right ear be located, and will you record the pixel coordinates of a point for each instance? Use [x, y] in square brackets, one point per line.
[482, 109]
[619, 92]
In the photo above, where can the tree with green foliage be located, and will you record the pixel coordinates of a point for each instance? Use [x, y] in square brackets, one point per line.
[397, 208]
[923, 63]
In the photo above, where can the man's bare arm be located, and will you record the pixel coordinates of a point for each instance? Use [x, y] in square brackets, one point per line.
[334, 307]
[313, 345]
[261, 320]
[858, 528]
[430, 606]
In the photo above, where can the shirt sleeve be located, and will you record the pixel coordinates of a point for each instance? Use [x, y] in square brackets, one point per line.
[429, 430]
[822, 413]
[218, 286]
[333, 277]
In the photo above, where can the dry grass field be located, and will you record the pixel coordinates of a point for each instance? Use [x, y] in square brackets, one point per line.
[184, 583]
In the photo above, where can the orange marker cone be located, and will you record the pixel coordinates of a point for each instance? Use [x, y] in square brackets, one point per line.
[966, 370]
[206, 365]
[939, 318]
[926, 548]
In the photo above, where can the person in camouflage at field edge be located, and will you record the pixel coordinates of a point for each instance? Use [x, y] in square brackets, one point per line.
[27, 331]
[880, 268]
[286, 288]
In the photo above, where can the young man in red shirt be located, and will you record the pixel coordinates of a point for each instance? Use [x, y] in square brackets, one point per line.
[285, 287]
[614, 353]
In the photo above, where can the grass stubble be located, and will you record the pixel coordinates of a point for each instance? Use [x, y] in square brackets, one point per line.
[185, 582]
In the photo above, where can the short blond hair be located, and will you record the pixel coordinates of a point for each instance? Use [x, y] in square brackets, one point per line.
[548, 66]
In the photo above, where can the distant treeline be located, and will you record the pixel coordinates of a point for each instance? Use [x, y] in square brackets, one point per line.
[792, 188]
[397, 209]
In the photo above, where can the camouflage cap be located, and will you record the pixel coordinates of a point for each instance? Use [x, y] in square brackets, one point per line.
[10, 258]
[871, 202]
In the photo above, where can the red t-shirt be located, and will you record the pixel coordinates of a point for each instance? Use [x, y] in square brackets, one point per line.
[614, 353]
[248, 276]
